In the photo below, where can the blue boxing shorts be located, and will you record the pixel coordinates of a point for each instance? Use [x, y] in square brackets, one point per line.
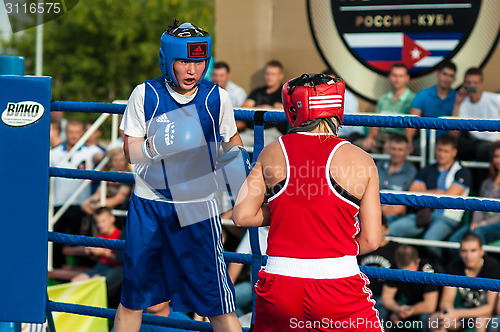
[164, 261]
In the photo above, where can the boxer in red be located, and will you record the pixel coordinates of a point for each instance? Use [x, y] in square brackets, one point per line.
[309, 187]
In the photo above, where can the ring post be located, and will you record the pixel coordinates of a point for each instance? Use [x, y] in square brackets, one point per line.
[12, 65]
[24, 174]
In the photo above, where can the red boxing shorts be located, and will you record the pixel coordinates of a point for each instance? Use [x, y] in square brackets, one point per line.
[289, 303]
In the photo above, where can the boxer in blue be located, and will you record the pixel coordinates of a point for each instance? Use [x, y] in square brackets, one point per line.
[174, 126]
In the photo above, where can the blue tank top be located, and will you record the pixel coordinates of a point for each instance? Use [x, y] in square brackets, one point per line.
[186, 175]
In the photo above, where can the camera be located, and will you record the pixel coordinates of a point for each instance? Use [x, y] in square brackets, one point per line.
[470, 89]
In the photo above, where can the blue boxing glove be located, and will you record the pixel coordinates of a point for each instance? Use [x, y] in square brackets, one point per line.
[232, 169]
[175, 136]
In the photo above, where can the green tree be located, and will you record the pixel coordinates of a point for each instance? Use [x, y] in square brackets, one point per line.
[101, 49]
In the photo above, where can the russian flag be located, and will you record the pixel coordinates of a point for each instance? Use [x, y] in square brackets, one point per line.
[418, 51]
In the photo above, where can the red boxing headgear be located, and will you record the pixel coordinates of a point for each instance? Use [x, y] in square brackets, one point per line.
[313, 96]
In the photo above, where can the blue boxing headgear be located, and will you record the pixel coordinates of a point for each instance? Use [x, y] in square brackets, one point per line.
[183, 42]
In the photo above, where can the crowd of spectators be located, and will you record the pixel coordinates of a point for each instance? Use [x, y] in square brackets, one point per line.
[447, 176]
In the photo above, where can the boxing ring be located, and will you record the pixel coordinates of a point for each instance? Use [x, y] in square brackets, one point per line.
[10, 310]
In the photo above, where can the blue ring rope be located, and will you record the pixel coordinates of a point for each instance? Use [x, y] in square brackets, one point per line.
[349, 119]
[91, 175]
[398, 121]
[146, 318]
[472, 204]
[87, 241]
[431, 278]
[461, 203]
[372, 272]
[86, 107]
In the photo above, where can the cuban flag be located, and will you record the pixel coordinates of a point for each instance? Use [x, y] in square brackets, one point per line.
[418, 51]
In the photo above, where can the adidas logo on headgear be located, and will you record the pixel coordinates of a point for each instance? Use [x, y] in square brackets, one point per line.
[197, 50]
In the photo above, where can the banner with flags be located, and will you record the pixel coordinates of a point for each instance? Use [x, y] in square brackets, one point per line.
[416, 50]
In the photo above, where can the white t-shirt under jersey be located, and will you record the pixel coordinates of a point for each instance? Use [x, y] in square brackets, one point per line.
[487, 108]
[134, 125]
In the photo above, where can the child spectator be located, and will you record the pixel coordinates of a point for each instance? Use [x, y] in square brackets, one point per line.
[107, 266]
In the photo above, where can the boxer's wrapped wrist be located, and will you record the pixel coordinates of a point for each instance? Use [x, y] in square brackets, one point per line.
[149, 150]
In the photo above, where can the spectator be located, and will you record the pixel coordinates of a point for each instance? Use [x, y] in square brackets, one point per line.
[448, 177]
[395, 102]
[59, 117]
[164, 309]
[351, 106]
[473, 102]
[55, 133]
[71, 220]
[396, 173]
[221, 74]
[475, 304]
[436, 101]
[382, 257]
[421, 299]
[266, 97]
[118, 143]
[93, 139]
[486, 224]
[117, 194]
[107, 266]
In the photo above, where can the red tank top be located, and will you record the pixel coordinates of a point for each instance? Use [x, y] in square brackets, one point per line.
[113, 236]
[311, 215]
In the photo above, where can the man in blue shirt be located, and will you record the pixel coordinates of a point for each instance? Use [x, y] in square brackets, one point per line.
[396, 174]
[446, 177]
[436, 101]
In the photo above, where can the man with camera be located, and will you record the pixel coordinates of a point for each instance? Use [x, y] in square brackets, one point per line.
[473, 102]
